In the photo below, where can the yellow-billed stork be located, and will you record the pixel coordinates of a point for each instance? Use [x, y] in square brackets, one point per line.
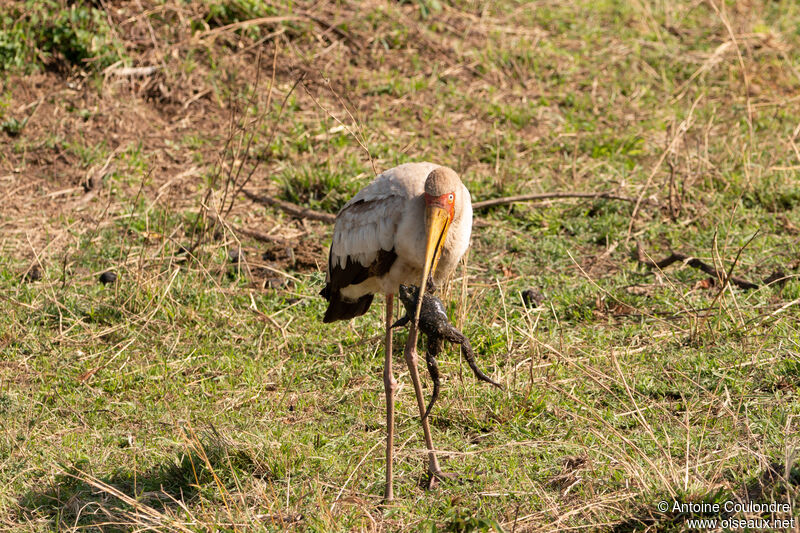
[412, 223]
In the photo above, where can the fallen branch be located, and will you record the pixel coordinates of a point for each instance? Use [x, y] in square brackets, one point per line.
[300, 16]
[330, 218]
[246, 24]
[133, 72]
[252, 233]
[552, 195]
[693, 262]
[292, 209]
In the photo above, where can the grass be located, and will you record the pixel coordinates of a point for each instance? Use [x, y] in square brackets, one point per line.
[48, 34]
[199, 393]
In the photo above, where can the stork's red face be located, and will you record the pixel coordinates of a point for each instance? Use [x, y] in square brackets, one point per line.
[441, 187]
[446, 201]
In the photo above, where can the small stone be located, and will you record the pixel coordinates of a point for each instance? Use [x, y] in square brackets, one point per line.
[705, 284]
[108, 277]
[532, 297]
[778, 277]
[33, 274]
[276, 283]
[235, 254]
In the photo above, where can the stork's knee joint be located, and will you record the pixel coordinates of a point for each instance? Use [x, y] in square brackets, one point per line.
[389, 382]
[411, 358]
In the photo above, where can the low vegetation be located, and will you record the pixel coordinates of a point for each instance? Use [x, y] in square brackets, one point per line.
[197, 389]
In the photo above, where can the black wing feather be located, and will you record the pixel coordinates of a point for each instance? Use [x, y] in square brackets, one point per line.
[353, 273]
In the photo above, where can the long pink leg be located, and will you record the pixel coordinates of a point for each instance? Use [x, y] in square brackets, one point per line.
[390, 385]
[411, 361]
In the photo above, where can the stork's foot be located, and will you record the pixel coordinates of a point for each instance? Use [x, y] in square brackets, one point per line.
[434, 478]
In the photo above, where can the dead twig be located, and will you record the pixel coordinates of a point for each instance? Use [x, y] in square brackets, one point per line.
[252, 233]
[260, 21]
[695, 263]
[725, 281]
[358, 138]
[552, 195]
[683, 127]
[292, 209]
[240, 187]
[304, 212]
[133, 72]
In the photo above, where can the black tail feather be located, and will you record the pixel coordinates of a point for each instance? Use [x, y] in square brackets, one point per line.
[340, 309]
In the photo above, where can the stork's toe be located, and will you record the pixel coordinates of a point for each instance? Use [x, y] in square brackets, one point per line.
[434, 478]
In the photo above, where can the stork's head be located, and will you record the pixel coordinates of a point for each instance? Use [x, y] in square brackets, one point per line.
[442, 188]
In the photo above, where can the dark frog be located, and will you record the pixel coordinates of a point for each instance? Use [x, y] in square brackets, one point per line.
[433, 322]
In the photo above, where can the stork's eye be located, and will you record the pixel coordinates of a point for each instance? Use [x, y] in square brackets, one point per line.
[450, 198]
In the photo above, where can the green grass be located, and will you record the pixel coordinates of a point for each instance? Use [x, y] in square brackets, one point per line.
[199, 394]
[35, 34]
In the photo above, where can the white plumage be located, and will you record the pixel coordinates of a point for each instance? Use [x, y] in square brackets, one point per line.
[389, 214]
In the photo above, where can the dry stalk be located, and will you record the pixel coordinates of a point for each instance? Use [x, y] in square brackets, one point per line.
[554, 195]
[725, 281]
[361, 142]
[273, 130]
[683, 127]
